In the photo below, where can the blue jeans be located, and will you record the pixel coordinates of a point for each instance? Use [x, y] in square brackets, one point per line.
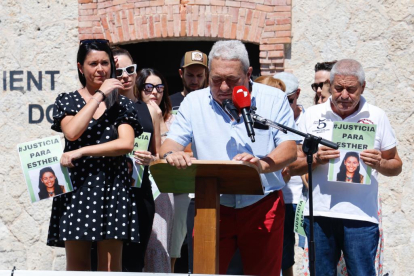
[357, 239]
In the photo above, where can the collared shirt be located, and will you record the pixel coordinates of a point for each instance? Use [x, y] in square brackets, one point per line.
[214, 136]
[338, 199]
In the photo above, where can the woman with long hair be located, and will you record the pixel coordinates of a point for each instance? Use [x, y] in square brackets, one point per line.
[133, 253]
[152, 89]
[49, 184]
[99, 127]
[349, 169]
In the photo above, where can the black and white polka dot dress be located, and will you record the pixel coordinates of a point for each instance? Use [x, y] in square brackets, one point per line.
[101, 206]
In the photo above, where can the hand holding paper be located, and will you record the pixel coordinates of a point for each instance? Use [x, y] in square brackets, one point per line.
[372, 158]
[143, 157]
[68, 157]
[324, 154]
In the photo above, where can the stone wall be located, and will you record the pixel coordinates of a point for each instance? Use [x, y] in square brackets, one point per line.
[380, 35]
[40, 36]
[35, 36]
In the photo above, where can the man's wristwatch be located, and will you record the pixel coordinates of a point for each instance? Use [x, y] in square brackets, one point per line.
[165, 155]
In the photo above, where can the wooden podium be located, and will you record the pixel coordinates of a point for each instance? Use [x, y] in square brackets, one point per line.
[207, 179]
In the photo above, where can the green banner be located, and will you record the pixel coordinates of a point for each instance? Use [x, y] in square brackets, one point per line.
[141, 143]
[299, 219]
[43, 157]
[352, 138]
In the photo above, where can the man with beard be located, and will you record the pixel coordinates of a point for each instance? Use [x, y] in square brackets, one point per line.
[193, 72]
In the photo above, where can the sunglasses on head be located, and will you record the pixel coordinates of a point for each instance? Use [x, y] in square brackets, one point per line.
[149, 87]
[131, 69]
[89, 41]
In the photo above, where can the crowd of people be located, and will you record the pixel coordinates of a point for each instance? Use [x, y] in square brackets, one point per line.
[110, 223]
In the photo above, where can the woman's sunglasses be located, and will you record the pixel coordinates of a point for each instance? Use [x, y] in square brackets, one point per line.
[131, 69]
[149, 87]
[315, 86]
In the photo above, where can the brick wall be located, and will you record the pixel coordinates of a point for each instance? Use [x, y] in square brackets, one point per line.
[263, 22]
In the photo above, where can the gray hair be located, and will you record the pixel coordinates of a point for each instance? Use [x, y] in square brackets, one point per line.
[230, 50]
[348, 67]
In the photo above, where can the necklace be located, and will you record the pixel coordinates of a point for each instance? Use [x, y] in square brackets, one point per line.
[51, 193]
[348, 179]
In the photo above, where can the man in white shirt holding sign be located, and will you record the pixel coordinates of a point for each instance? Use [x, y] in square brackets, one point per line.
[346, 217]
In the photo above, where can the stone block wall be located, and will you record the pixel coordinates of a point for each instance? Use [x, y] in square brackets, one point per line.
[380, 35]
[263, 22]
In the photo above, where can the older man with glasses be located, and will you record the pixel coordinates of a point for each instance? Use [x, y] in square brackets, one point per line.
[252, 223]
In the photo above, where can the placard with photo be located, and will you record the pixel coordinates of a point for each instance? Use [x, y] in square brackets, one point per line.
[352, 138]
[44, 176]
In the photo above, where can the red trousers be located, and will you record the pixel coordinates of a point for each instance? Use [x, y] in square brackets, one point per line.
[257, 230]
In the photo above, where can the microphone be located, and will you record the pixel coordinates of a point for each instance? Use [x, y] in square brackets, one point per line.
[229, 107]
[242, 100]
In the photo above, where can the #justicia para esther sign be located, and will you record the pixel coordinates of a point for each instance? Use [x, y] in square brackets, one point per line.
[44, 176]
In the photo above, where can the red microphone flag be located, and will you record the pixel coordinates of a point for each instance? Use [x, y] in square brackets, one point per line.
[241, 97]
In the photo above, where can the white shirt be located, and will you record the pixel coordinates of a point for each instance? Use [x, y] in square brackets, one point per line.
[293, 190]
[343, 200]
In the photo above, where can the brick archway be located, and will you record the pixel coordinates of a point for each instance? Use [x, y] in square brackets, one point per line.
[263, 22]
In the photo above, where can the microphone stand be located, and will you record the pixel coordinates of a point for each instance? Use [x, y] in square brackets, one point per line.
[310, 146]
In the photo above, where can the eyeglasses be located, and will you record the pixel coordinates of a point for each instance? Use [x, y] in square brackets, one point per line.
[291, 100]
[149, 87]
[89, 41]
[315, 86]
[131, 69]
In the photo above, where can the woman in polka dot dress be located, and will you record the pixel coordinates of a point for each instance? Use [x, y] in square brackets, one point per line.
[99, 128]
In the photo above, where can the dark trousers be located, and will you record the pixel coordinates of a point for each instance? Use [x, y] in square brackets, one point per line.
[133, 254]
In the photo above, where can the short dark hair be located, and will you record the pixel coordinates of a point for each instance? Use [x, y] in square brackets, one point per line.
[165, 104]
[118, 51]
[97, 45]
[324, 66]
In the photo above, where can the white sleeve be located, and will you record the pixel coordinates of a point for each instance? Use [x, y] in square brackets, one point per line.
[386, 134]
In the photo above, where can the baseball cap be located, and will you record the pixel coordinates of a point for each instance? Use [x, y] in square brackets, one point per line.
[291, 82]
[193, 57]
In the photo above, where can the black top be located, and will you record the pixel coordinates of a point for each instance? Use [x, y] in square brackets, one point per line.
[146, 122]
[176, 100]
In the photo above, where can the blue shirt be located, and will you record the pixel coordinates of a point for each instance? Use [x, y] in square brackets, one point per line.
[201, 121]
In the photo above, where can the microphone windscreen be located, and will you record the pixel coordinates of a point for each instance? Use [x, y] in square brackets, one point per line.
[241, 97]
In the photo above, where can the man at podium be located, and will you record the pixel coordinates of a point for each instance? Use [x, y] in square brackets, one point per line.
[252, 223]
